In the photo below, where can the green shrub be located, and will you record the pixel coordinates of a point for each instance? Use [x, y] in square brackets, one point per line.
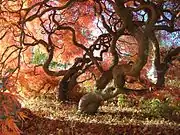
[122, 100]
[157, 108]
[39, 57]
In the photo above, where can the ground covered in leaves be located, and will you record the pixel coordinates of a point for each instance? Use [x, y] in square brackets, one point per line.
[101, 124]
[115, 117]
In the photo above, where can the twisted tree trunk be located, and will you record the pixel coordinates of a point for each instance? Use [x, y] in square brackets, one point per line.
[163, 67]
[119, 72]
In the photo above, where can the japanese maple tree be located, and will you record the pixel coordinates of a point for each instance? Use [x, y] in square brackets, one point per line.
[103, 35]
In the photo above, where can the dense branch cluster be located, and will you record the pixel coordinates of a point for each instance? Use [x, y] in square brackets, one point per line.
[57, 26]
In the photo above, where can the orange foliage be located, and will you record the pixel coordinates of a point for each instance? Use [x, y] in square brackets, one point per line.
[69, 51]
[8, 127]
[9, 103]
[85, 21]
[36, 81]
[9, 107]
[129, 3]
[32, 2]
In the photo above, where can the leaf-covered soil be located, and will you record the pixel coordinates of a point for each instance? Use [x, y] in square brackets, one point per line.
[95, 126]
[49, 117]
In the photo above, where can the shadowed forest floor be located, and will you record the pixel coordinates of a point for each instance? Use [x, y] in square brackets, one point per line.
[63, 126]
[49, 117]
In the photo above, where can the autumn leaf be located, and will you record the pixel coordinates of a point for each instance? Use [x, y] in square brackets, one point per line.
[22, 116]
[9, 127]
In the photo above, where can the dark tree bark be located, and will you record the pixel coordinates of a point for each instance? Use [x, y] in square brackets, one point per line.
[162, 68]
[104, 79]
[90, 102]
[161, 71]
